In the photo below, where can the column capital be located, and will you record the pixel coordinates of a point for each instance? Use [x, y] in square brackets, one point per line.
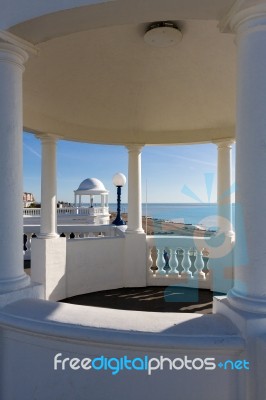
[48, 137]
[243, 15]
[17, 42]
[135, 147]
[224, 143]
[13, 55]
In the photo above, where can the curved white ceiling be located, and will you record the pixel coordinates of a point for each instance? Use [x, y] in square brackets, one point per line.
[97, 80]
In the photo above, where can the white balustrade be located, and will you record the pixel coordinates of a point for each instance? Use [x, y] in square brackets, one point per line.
[71, 232]
[179, 260]
[92, 211]
[31, 211]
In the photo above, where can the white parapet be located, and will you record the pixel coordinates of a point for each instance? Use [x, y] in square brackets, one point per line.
[48, 266]
[135, 260]
[38, 336]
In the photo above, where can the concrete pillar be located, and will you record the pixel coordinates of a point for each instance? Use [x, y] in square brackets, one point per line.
[48, 228]
[224, 183]
[134, 190]
[249, 291]
[12, 276]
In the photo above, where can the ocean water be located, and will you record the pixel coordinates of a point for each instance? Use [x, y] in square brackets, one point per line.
[196, 214]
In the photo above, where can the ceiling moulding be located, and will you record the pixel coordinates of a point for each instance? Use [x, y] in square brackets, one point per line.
[241, 10]
[8, 37]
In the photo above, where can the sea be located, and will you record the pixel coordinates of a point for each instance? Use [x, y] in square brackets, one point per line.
[188, 213]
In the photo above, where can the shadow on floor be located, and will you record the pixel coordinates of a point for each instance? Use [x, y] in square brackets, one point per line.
[151, 299]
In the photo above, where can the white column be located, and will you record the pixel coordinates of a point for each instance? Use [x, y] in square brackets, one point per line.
[134, 273]
[249, 292]
[12, 276]
[134, 190]
[48, 228]
[79, 200]
[224, 183]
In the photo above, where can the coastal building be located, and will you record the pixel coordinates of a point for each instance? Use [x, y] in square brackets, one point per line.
[93, 211]
[133, 73]
[28, 199]
[92, 188]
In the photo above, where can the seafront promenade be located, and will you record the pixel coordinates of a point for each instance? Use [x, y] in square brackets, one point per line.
[151, 226]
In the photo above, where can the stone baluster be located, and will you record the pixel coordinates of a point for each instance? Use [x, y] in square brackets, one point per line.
[173, 262]
[27, 255]
[150, 260]
[186, 264]
[180, 260]
[199, 265]
[160, 262]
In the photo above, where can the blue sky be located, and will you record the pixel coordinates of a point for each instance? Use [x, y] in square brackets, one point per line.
[165, 169]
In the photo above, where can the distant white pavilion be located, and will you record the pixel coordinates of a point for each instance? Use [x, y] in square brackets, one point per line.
[93, 187]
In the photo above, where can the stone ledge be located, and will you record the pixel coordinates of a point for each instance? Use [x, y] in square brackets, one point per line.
[119, 327]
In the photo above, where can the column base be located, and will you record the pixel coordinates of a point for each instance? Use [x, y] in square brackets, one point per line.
[249, 323]
[135, 231]
[8, 285]
[32, 291]
[252, 327]
[249, 304]
[48, 236]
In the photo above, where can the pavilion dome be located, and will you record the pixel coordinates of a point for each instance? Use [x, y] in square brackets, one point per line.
[91, 186]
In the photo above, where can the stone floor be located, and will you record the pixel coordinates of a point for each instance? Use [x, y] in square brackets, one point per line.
[152, 298]
[155, 298]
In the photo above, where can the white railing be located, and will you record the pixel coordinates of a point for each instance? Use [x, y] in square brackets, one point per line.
[70, 211]
[31, 211]
[70, 232]
[177, 260]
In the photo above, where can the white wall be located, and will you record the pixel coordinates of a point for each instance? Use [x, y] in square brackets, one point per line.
[94, 264]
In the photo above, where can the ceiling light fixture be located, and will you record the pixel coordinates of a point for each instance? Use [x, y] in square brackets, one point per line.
[163, 34]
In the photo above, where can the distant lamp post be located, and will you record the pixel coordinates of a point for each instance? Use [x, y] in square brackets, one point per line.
[119, 180]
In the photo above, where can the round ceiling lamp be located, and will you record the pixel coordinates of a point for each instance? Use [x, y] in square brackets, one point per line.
[163, 34]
